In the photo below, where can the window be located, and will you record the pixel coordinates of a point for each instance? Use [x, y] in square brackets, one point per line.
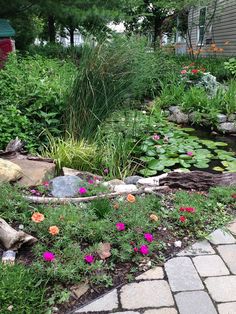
[202, 25]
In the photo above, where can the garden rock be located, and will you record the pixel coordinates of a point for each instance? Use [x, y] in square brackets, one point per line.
[34, 172]
[9, 172]
[104, 250]
[221, 118]
[232, 117]
[132, 179]
[80, 290]
[125, 188]
[66, 186]
[152, 181]
[179, 117]
[227, 127]
[85, 175]
[113, 183]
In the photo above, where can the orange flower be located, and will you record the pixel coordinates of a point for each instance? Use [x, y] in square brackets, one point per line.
[154, 217]
[37, 217]
[116, 206]
[54, 230]
[131, 198]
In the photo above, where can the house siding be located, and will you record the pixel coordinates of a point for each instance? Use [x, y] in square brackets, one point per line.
[223, 32]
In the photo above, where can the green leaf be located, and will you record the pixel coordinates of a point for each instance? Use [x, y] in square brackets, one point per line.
[147, 172]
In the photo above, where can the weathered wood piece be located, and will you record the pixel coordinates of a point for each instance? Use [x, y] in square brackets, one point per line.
[12, 239]
[198, 180]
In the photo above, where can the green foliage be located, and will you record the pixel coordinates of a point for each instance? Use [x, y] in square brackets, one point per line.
[23, 289]
[32, 98]
[231, 66]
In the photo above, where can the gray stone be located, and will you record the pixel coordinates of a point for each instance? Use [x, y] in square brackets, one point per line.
[232, 227]
[198, 248]
[227, 127]
[222, 289]
[132, 179]
[179, 117]
[107, 302]
[228, 253]
[221, 237]
[114, 182]
[152, 181]
[166, 310]
[211, 265]
[146, 294]
[221, 118]
[197, 302]
[125, 188]
[227, 308]
[84, 175]
[232, 117]
[173, 109]
[182, 275]
[66, 186]
[155, 273]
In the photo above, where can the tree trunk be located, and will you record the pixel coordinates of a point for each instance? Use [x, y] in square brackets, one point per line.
[51, 29]
[71, 31]
[198, 180]
[12, 239]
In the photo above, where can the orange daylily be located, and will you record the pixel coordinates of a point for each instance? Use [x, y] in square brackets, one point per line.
[154, 217]
[54, 230]
[131, 198]
[38, 217]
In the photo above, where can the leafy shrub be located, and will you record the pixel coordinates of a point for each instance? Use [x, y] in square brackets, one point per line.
[231, 66]
[32, 98]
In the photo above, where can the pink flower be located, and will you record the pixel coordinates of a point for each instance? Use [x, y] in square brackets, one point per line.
[190, 154]
[155, 137]
[182, 209]
[90, 181]
[82, 191]
[89, 259]
[106, 171]
[38, 193]
[46, 184]
[148, 237]
[195, 71]
[190, 209]
[48, 256]
[182, 218]
[183, 72]
[120, 226]
[135, 249]
[144, 250]
[33, 191]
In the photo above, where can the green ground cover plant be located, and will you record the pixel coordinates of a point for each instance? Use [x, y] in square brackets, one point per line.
[70, 238]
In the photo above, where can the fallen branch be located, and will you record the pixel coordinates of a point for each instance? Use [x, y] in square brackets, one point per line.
[12, 239]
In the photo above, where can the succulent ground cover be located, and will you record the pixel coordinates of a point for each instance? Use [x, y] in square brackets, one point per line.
[105, 242]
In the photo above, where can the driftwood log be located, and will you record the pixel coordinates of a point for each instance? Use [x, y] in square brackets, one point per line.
[12, 239]
[198, 180]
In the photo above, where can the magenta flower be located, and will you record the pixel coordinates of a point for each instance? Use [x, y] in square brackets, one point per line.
[48, 256]
[135, 249]
[106, 171]
[82, 191]
[89, 259]
[46, 184]
[120, 226]
[148, 237]
[144, 250]
[33, 191]
[38, 193]
[190, 154]
[155, 137]
[90, 182]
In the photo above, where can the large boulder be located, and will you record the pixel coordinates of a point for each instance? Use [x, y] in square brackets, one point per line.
[227, 127]
[66, 186]
[9, 172]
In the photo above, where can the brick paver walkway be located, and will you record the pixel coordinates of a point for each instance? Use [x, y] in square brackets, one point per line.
[199, 280]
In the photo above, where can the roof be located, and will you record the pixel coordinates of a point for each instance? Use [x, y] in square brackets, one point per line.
[5, 29]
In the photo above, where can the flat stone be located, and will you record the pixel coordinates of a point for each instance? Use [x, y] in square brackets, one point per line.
[155, 273]
[197, 302]
[228, 253]
[80, 289]
[182, 275]
[65, 186]
[222, 289]
[227, 127]
[125, 188]
[9, 171]
[166, 310]
[232, 117]
[227, 308]
[114, 182]
[132, 179]
[146, 294]
[221, 237]
[211, 265]
[232, 227]
[152, 181]
[198, 248]
[221, 118]
[34, 172]
[85, 175]
[107, 302]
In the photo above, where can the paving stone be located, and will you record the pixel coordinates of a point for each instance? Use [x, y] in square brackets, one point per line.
[182, 275]
[228, 253]
[108, 302]
[222, 289]
[232, 227]
[197, 302]
[125, 188]
[155, 273]
[211, 265]
[166, 310]
[144, 294]
[227, 308]
[198, 248]
[221, 237]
